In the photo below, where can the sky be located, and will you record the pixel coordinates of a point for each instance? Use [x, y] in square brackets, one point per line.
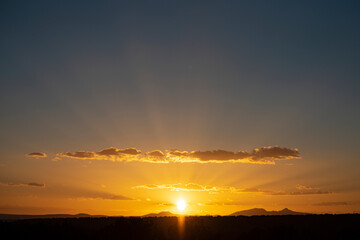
[127, 107]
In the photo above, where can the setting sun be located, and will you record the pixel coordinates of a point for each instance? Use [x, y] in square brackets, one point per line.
[181, 205]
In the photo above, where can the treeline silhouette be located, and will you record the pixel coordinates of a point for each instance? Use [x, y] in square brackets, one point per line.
[256, 227]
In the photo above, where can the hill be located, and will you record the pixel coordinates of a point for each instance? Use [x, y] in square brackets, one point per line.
[263, 212]
[160, 214]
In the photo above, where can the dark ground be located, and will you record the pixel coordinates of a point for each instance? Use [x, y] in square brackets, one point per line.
[257, 227]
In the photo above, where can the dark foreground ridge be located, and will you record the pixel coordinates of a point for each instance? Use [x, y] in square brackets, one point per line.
[230, 227]
[249, 212]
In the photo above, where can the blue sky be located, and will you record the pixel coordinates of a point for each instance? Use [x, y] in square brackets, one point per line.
[188, 75]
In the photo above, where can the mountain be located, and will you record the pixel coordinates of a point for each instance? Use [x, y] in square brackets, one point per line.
[160, 214]
[263, 212]
[21, 217]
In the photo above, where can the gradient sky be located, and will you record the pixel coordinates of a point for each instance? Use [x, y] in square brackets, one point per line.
[153, 77]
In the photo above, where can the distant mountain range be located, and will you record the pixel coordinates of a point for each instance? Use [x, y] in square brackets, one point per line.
[263, 212]
[249, 212]
[160, 214]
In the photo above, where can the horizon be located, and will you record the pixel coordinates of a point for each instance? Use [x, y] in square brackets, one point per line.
[193, 107]
[244, 213]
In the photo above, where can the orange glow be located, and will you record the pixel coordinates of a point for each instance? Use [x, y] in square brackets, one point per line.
[181, 205]
[181, 225]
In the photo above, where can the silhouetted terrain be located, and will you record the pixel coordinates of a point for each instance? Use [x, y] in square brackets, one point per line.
[160, 214]
[240, 227]
[249, 212]
[263, 212]
[21, 217]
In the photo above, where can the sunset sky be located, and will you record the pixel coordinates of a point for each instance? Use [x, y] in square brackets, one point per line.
[127, 107]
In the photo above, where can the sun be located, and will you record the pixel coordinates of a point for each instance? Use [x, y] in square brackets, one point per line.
[181, 205]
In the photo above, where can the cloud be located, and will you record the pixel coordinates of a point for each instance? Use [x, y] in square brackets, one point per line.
[179, 153]
[78, 193]
[277, 153]
[220, 155]
[331, 204]
[111, 153]
[31, 184]
[311, 192]
[34, 184]
[118, 152]
[83, 194]
[106, 196]
[264, 155]
[166, 204]
[156, 153]
[194, 187]
[189, 187]
[302, 187]
[79, 154]
[36, 154]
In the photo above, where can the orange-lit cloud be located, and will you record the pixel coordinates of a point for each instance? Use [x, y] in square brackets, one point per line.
[194, 187]
[79, 154]
[102, 195]
[156, 153]
[190, 187]
[331, 204]
[277, 153]
[31, 184]
[312, 192]
[117, 152]
[256, 156]
[73, 192]
[111, 153]
[220, 155]
[303, 187]
[36, 154]
[264, 155]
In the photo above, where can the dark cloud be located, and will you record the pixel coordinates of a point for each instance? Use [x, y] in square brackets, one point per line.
[331, 204]
[109, 153]
[116, 152]
[156, 153]
[34, 184]
[310, 192]
[264, 155]
[107, 196]
[256, 156]
[277, 153]
[130, 151]
[79, 154]
[31, 184]
[36, 154]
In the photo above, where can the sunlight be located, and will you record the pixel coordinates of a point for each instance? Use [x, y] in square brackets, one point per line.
[181, 205]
